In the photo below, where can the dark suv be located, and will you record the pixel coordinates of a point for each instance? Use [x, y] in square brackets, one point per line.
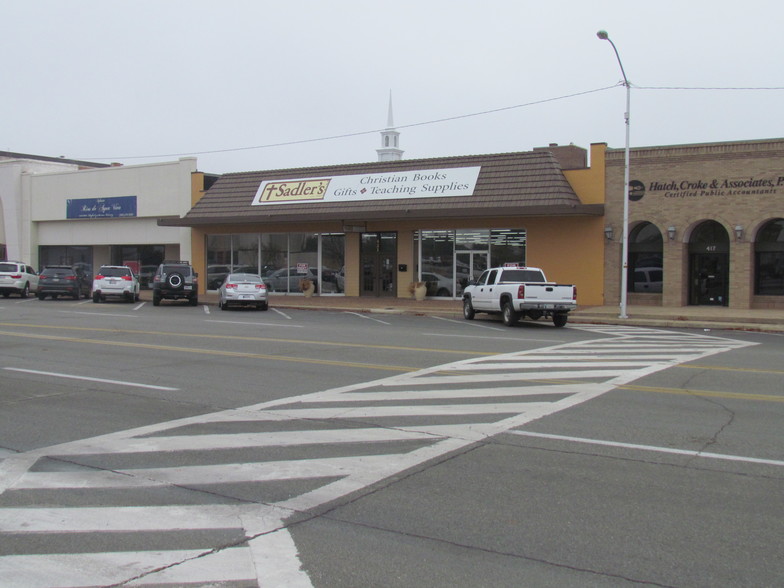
[56, 280]
[174, 280]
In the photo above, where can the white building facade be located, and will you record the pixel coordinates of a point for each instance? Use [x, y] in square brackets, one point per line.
[59, 214]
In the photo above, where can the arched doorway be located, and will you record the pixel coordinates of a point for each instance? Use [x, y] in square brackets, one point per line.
[709, 260]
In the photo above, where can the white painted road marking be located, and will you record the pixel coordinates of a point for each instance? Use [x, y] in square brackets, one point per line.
[704, 454]
[421, 416]
[89, 379]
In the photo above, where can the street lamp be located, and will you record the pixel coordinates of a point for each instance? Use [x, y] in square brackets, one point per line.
[625, 236]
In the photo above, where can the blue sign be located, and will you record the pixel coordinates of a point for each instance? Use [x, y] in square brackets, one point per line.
[114, 207]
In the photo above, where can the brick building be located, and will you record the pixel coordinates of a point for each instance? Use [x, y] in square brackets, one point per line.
[706, 225]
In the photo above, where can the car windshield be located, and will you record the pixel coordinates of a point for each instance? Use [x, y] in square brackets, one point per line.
[247, 278]
[114, 272]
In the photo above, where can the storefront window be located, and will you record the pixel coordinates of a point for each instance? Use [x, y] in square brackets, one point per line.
[245, 253]
[145, 258]
[274, 252]
[645, 259]
[218, 260]
[507, 246]
[73, 255]
[437, 262]
[282, 259]
[333, 260]
[450, 259]
[769, 260]
[472, 239]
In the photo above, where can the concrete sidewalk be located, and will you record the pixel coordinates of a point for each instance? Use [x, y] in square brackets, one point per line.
[702, 317]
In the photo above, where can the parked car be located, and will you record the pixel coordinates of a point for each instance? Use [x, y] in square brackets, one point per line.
[17, 278]
[115, 281]
[243, 290]
[65, 280]
[174, 280]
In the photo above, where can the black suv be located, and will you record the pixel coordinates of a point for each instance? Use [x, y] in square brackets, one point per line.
[65, 280]
[174, 280]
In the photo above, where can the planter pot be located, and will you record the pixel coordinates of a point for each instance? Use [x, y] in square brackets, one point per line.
[308, 292]
[420, 292]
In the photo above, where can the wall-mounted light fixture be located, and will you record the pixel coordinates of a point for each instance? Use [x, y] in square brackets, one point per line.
[738, 233]
[671, 233]
[608, 232]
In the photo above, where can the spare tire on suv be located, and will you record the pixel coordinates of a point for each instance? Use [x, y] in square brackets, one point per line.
[175, 280]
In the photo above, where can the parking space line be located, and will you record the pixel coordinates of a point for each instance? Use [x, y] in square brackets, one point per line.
[281, 313]
[360, 315]
[89, 379]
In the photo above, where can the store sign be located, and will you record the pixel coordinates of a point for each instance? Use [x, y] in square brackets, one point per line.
[430, 183]
[712, 187]
[114, 207]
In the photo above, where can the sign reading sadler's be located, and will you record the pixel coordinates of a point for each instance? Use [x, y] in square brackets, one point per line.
[429, 183]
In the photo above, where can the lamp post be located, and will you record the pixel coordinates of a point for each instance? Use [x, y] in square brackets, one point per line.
[625, 237]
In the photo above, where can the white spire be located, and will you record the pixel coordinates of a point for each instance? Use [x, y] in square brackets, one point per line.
[389, 139]
[390, 123]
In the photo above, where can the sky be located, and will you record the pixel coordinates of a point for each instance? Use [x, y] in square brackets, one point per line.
[245, 85]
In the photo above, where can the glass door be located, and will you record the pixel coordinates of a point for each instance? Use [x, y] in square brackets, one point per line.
[469, 265]
[378, 255]
[709, 279]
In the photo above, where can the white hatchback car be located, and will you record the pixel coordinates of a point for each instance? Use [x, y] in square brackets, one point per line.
[17, 278]
[115, 280]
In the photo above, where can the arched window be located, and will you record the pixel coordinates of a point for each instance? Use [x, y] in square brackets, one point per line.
[386, 141]
[769, 259]
[645, 259]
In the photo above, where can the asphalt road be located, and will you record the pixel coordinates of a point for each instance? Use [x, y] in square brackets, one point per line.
[180, 445]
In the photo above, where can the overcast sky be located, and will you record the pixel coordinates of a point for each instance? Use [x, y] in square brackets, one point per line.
[250, 85]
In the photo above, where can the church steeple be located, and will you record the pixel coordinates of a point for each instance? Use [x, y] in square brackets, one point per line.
[389, 139]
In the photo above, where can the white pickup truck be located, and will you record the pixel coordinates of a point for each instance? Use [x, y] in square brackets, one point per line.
[518, 291]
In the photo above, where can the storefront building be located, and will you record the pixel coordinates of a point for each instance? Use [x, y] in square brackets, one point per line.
[109, 215]
[706, 225]
[373, 229]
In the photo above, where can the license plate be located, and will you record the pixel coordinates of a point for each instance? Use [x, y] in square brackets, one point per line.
[188, 287]
[246, 297]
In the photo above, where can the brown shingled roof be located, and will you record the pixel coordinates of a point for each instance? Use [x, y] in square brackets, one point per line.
[520, 184]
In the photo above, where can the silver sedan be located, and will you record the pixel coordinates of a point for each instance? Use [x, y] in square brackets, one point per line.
[243, 290]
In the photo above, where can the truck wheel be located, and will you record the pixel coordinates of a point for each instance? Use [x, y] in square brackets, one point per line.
[559, 319]
[468, 309]
[510, 315]
[156, 300]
